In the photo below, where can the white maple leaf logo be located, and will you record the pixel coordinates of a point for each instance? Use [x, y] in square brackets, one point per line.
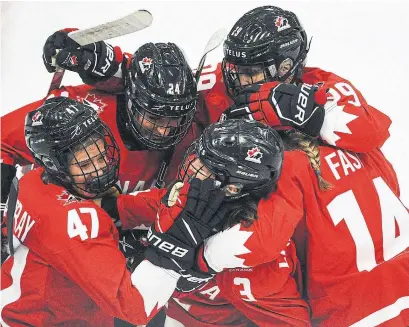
[154, 295]
[336, 120]
[221, 250]
[94, 102]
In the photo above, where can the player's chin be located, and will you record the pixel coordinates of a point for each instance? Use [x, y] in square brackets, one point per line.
[84, 194]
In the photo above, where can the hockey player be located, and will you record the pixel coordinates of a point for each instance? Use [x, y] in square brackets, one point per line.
[355, 126]
[270, 44]
[67, 269]
[351, 232]
[244, 159]
[148, 121]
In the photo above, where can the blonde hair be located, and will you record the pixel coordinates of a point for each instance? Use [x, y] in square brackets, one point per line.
[310, 146]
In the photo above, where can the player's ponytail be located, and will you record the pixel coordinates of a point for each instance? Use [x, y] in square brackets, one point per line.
[310, 146]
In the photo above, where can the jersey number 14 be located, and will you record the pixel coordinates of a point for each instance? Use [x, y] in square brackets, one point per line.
[345, 207]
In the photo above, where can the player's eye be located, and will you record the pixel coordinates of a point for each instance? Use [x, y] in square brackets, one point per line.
[84, 164]
[152, 118]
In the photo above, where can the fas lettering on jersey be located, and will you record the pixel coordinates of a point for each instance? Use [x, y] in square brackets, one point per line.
[342, 163]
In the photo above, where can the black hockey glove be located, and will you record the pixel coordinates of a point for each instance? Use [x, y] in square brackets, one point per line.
[179, 230]
[95, 62]
[192, 279]
[281, 105]
[7, 174]
[59, 40]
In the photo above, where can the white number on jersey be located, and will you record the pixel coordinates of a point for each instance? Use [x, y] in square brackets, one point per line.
[345, 207]
[346, 90]
[246, 291]
[207, 78]
[75, 226]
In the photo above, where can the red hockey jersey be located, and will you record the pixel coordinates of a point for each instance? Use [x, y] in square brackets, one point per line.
[266, 295]
[67, 269]
[353, 239]
[350, 122]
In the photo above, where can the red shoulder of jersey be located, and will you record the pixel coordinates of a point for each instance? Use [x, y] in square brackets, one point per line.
[139, 209]
[350, 122]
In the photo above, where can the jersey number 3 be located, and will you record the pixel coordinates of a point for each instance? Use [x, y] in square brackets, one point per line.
[394, 214]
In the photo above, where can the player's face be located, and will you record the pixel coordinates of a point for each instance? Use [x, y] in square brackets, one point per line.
[86, 164]
[197, 169]
[156, 127]
[250, 74]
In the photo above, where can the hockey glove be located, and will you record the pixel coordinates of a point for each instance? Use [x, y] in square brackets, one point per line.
[179, 230]
[281, 106]
[95, 62]
[192, 279]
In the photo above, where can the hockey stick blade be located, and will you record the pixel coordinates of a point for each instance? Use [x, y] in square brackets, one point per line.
[215, 40]
[134, 22]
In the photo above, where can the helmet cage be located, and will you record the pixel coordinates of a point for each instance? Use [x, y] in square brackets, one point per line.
[64, 132]
[158, 123]
[95, 180]
[161, 98]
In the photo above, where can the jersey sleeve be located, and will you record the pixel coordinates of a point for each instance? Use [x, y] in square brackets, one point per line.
[87, 253]
[13, 144]
[139, 208]
[350, 122]
[278, 216]
[268, 294]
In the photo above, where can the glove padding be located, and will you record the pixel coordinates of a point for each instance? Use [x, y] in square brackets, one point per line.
[192, 279]
[95, 62]
[58, 40]
[179, 229]
[281, 106]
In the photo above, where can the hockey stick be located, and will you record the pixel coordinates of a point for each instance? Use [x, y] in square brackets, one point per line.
[11, 208]
[215, 40]
[136, 21]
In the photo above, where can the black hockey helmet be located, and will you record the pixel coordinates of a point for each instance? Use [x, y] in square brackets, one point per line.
[267, 40]
[161, 95]
[62, 128]
[244, 157]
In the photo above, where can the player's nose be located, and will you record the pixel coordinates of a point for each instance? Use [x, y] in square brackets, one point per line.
[245, 79]
[163, 130]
